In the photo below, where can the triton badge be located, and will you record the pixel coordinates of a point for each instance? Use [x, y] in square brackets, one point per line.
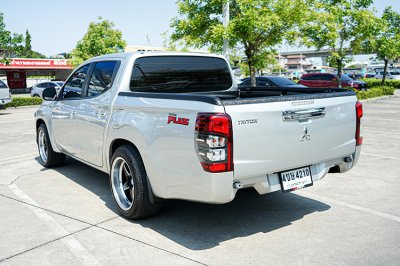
[305, 135]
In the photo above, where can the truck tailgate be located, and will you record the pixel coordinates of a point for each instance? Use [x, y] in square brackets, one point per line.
[270, 137]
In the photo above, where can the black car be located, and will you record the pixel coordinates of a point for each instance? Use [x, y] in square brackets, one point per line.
[271, 81]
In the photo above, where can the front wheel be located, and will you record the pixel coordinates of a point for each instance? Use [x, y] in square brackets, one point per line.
[48, 157]
[129, 186]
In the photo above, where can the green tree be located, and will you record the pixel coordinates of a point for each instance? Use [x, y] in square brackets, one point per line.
[10, 43]
[340, 25]
[28, 46]
[386, 42]
[100, 38]
[255, 27]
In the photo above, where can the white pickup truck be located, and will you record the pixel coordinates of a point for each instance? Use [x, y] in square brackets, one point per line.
[175, 126]
[5, 95]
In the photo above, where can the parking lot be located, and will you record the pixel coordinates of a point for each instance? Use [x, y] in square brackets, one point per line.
[67, 215]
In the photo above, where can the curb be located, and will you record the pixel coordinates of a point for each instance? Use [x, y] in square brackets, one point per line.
[22, 107]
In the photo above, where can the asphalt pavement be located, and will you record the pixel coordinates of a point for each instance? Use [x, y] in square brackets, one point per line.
[66, 216]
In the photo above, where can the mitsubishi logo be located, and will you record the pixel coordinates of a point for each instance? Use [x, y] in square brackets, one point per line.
[305, 135]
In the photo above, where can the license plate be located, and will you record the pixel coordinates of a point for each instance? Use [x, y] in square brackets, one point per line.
[296, 179]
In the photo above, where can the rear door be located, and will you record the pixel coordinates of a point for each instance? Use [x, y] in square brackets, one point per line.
[276, 136]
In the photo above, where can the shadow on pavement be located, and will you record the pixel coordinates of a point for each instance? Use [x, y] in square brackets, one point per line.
[200, 226]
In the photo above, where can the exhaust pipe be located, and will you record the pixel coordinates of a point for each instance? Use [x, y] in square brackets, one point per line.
[237, 185]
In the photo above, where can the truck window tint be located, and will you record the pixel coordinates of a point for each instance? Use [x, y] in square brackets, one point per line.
[74, 85]
[175, 74]
[2, 85]
[101, 78]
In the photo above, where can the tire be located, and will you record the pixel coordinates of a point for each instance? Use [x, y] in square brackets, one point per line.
[47, 156]
[128, 183]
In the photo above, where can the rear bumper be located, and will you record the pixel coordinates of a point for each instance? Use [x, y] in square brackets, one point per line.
[5, 101]
[271, 182]
[219, 188]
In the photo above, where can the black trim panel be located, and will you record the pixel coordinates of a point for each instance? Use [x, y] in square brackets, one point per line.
[174, 96]
[287, 98]
[249, 95]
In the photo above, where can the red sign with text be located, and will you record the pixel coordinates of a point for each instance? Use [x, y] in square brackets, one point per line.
[37, 64]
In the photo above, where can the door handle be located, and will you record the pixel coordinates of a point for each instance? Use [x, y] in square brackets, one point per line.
[303, 114]
[73, 114]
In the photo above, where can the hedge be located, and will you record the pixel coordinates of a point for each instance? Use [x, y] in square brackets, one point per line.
[375, 92]
[24, 101]
[377, 82]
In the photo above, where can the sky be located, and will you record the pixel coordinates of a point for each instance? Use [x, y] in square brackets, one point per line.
[57, 25]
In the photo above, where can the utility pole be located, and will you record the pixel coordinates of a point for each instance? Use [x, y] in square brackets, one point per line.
[225, 21]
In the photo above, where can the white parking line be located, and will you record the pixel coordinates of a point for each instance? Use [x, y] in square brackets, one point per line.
[380, 131]
[15, 121]
[381, 156]
[70, 242]
[382, 119]
[353, 206]
[18, 157]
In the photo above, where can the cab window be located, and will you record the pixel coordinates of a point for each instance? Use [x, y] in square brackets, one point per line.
[75, 84]
[101, 78]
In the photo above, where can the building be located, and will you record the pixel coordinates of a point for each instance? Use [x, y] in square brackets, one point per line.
[17, 71]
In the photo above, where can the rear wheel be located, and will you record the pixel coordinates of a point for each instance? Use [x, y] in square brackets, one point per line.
[48, 157]
[129, 186]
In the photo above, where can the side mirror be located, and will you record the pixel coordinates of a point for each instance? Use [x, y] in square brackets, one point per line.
[49, 94]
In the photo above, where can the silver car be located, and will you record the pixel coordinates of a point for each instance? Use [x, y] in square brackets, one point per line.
[37, 90]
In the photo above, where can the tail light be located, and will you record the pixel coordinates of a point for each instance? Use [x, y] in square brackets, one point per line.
[359, 114]
[213, 142]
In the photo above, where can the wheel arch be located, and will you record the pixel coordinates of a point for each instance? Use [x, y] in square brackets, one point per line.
[38, 123]
[116, 143]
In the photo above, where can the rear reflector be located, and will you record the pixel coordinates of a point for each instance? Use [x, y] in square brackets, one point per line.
[213, 142]
[359, 114]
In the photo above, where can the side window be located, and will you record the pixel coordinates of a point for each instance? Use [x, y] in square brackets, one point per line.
[326, 77]
[2, 84]
[263, 82]
[42, 85]
[74, 85]
[246, 82]
[101, 78]
[48, 85]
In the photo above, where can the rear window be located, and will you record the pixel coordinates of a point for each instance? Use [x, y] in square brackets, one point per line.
[3, 85]
[346, 78]
[180, 74]
[282, 82]
[312, 77]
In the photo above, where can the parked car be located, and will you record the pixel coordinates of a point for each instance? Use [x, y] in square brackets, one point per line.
[389, 75]
[37, 90]
[370, 75]
[5, 95]
[175, 126]
[355, 76]
[327, 80]
[271, 81]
